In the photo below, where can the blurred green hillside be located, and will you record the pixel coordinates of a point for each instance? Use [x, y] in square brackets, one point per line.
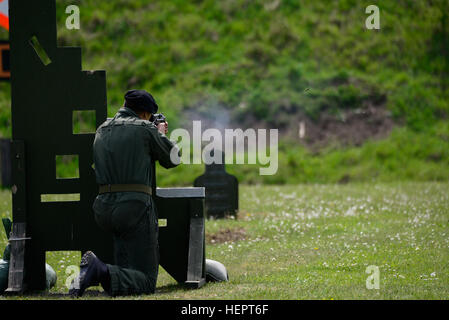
[276, 62]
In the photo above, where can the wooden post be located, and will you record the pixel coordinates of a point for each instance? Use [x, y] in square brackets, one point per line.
[18, 237]
[17, 265]
[5, 155]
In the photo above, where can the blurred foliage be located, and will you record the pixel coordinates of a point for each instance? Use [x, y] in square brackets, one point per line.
[265, 58]
[404, 156]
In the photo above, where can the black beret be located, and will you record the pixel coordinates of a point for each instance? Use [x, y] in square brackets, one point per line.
[140, 99]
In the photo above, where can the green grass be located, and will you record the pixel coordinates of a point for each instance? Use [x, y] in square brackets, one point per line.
[311, 241]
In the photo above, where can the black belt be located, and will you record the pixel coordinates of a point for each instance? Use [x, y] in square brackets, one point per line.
[125, 188]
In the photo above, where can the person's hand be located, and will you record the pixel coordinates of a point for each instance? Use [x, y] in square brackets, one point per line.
[163, 127]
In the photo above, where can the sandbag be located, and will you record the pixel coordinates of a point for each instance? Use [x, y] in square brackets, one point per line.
[4, 263]
[216, 271]
[4, 270]
[50, 274]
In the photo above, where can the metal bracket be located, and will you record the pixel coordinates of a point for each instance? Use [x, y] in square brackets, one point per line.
[19, 239]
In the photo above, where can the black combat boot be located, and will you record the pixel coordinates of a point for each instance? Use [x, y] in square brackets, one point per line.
[92, 273]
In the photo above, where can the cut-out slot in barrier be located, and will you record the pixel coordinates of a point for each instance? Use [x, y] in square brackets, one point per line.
[61, 266]
[84, 121]
[67, 166]
[40, 51]
[162, 222]
[61, 197]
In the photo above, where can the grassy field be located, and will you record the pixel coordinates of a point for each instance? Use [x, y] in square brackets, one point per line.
[316, 242]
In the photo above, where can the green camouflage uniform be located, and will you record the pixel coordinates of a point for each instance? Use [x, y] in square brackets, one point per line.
[125, 149]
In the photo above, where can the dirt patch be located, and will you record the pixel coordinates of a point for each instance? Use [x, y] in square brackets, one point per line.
[351, 128]
[226, 235]
[355, 128]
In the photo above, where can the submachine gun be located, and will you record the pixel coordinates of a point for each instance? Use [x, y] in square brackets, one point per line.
[158, 118]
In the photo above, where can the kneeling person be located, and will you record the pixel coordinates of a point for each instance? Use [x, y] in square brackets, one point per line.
[125, 149]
